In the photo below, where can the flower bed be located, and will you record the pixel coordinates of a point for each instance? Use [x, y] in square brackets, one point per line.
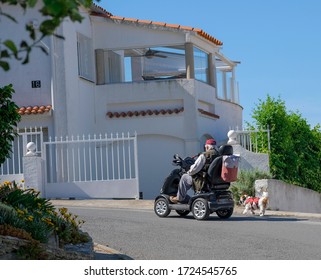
[28, 224]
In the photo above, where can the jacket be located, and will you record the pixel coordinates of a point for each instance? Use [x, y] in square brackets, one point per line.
[198, 170]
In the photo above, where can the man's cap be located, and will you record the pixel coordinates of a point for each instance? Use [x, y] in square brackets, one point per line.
[210, 142]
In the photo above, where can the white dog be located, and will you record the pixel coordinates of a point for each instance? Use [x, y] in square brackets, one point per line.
[253, 203]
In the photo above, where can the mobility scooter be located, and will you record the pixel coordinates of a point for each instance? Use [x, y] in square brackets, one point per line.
[215, 196]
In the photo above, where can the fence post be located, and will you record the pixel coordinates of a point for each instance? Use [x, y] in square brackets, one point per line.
[140, 194]
[33, 167]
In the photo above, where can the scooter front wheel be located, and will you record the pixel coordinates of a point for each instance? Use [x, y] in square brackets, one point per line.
[161, 208]
[200, 209]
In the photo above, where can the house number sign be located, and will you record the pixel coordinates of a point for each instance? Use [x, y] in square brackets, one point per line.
[36, 84]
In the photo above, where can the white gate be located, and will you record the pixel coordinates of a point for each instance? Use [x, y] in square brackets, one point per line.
[91, 167]
[12, 168]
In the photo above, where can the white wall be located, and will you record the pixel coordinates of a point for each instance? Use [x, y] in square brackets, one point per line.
[169, 134]
[230, 114]
[155, 154]
[39, 67]
[80, 98]
[129, 36]
[163, 95]
[286, 197]
[251, 161]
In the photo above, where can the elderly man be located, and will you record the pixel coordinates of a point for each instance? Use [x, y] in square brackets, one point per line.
[197, 172]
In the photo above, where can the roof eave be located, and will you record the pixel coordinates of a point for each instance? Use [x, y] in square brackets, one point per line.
[98, 11]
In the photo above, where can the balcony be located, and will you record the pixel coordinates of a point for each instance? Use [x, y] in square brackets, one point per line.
[157, 95]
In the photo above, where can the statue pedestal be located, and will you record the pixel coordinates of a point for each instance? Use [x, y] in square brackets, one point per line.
[33, 169]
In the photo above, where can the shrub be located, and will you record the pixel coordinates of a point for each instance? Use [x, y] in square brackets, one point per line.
[67, 227]
[24, 209]
[25, 198]
[9, 230]
[9, 118]
[295, 154]
[29, 210]
[8, 214]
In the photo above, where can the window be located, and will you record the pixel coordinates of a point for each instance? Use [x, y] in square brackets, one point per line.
[227, 87]
[131, 65]
[163, 63]
[220, 84]
[113, 60]
[201, 65]
[85, 57]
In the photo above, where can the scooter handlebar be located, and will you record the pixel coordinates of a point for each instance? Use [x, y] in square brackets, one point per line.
[184, 163]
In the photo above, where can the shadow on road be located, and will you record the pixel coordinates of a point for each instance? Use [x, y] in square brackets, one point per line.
[104, 256]
[264, 218]
[236, 218]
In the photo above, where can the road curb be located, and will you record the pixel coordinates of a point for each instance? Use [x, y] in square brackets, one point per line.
[102, 252]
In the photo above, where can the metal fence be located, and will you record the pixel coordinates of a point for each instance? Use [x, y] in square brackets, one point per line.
[13, 164]
[257, 140]
[91, 158]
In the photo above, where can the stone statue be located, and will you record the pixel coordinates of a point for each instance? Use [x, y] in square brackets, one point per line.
[31, 149]
[232, 134]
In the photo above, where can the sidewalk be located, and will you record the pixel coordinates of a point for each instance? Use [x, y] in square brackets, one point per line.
[107, 253]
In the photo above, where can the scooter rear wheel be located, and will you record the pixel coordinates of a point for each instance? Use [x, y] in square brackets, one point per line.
[224, 214]
[161, 208]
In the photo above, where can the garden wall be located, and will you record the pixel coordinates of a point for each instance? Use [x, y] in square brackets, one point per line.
[250, 160]
[286, 197]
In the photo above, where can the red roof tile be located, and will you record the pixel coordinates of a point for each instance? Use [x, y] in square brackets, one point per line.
[99, 10]
[209, 114]
[199, 31]
[143, 113]
[28, 110]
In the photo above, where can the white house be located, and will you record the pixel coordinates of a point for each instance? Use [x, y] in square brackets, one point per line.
[168, 83]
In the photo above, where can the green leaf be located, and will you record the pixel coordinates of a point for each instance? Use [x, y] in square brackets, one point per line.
[32, 3]
[4, 65]
[11, 46]
[26, 60]
[43, 49]
[59, 36]
[4, 53]
[24, 45]
[9, 17]
[48, 27]
[31, 30]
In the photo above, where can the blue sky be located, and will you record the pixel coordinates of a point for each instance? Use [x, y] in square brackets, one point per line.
[278, 43]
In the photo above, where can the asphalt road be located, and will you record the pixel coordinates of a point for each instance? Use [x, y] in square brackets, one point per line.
[142, 235]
